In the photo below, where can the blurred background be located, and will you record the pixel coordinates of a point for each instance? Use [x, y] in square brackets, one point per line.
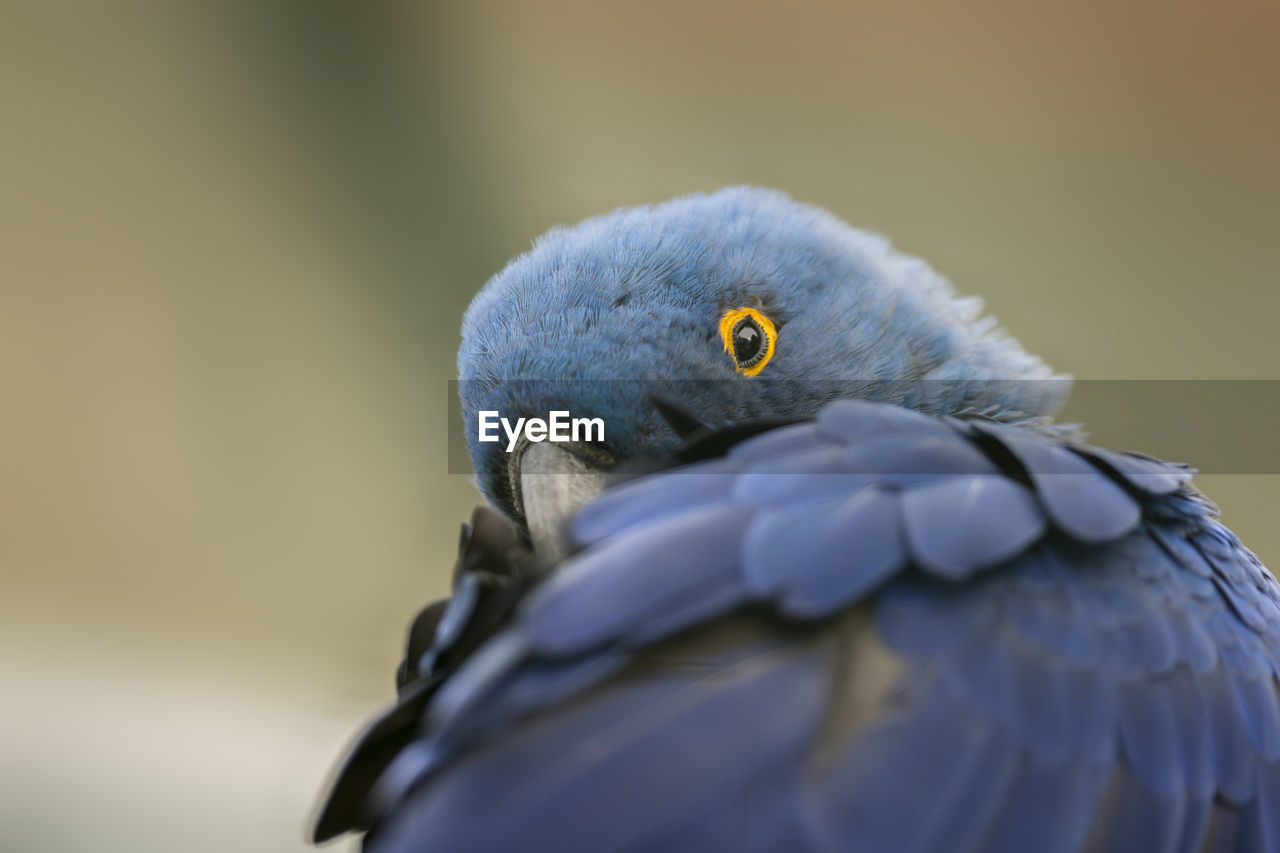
[237, 240]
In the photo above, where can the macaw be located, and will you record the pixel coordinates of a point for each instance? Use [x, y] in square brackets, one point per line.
[833, 579]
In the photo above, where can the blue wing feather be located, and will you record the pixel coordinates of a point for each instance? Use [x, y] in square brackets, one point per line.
[1075, 496]
[1060, 795]
[1082, 656]
[661, 733]
[869, 796]
[961, 524]
[638, 576]
[789, 553]
[656, 498]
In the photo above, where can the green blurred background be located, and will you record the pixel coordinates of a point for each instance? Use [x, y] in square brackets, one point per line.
[238, 239]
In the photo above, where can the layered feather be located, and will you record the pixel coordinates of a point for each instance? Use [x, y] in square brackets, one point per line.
[1081, 655]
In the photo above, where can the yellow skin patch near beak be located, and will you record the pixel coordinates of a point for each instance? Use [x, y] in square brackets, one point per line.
[731, 323]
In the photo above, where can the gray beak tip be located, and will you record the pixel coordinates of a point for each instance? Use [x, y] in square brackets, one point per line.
[554, 483]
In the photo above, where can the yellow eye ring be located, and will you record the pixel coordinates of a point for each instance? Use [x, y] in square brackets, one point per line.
[748, 338]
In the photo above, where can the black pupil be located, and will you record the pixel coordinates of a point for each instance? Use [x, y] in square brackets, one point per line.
[748, 342]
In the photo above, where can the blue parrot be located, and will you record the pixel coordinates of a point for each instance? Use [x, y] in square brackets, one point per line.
[832, 580]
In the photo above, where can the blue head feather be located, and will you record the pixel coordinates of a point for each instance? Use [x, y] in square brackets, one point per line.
[596, 315]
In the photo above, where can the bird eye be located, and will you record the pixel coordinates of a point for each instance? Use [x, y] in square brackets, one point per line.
[749, 337]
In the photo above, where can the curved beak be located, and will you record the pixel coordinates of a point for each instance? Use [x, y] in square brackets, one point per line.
[553, 481]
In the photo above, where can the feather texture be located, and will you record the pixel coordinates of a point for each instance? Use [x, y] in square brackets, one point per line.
[1083, 658]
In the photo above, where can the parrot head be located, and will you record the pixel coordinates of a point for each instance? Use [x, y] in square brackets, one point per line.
[733, 305]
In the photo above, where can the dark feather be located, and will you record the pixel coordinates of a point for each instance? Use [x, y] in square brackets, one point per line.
[1078, 499]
